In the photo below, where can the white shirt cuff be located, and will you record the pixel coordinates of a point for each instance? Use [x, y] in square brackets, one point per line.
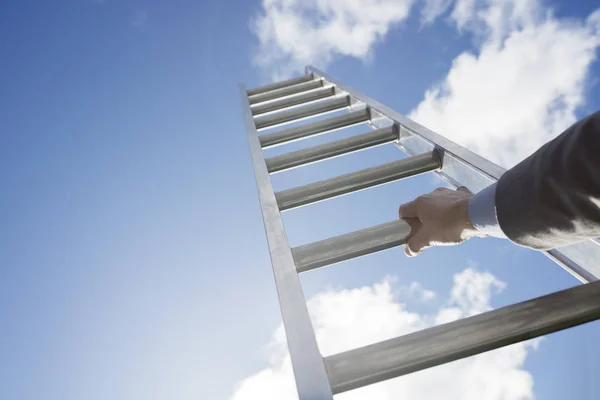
[482, 212]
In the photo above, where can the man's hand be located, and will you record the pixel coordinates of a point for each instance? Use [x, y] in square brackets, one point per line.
[439, 218]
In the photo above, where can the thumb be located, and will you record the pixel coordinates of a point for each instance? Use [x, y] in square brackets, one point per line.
[417, 243]
[464, 189]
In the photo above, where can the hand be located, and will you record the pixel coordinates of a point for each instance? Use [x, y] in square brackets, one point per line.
[439, 218]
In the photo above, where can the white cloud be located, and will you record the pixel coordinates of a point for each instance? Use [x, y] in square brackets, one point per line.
[493, 19]
[521, 88]
[463, 12]
[346, 319]
[432, 9]
[473, 290]
[293, 33]
[416, 290]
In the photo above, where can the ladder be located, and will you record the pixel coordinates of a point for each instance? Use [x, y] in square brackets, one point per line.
[316, 93]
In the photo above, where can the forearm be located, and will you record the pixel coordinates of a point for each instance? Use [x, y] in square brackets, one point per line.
[550, 199]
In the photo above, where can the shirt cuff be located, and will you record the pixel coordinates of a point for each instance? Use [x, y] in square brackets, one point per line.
[482, 212]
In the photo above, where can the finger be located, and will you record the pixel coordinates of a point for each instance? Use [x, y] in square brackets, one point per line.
[408, 210]
[417, 243]
[464, 189]
[414, 224]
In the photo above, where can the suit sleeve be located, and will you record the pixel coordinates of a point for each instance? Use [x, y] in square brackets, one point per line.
[552, 198]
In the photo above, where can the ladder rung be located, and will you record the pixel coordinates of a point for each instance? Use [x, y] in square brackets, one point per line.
[350, 245]
[464, 338]
[314, 128]
[286, 91]
[302, 112]
[281, 84]
[332, 149]
[354, 181]
[293, 101]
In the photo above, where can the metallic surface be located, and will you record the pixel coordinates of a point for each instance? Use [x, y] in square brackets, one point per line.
[359, 180]
[318, 378]
[582, 260]
[280, 84]
[286, 91]
[464, 338]
[462, 167]
[301, 112]
[332, 149]
[293, 101]
[314, 128]
[307, 363]
[350, 245]
[473, 160]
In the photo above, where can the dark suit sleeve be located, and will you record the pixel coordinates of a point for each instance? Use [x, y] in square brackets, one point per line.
[552, 198]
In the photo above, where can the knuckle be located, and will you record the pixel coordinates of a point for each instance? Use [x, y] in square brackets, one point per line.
[423, 200]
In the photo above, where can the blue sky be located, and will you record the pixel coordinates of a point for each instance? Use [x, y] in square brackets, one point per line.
[133, 262]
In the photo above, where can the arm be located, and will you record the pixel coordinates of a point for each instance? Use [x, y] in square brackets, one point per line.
[550, 199]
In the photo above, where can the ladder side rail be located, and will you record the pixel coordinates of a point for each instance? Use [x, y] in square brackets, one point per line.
[311, 377]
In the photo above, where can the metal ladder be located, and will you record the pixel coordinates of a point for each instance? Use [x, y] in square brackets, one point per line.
[320, 377]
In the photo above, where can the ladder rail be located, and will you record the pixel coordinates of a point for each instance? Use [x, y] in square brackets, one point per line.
[307, 363]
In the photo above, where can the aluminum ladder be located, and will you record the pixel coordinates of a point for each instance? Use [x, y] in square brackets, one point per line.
[315, 94]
